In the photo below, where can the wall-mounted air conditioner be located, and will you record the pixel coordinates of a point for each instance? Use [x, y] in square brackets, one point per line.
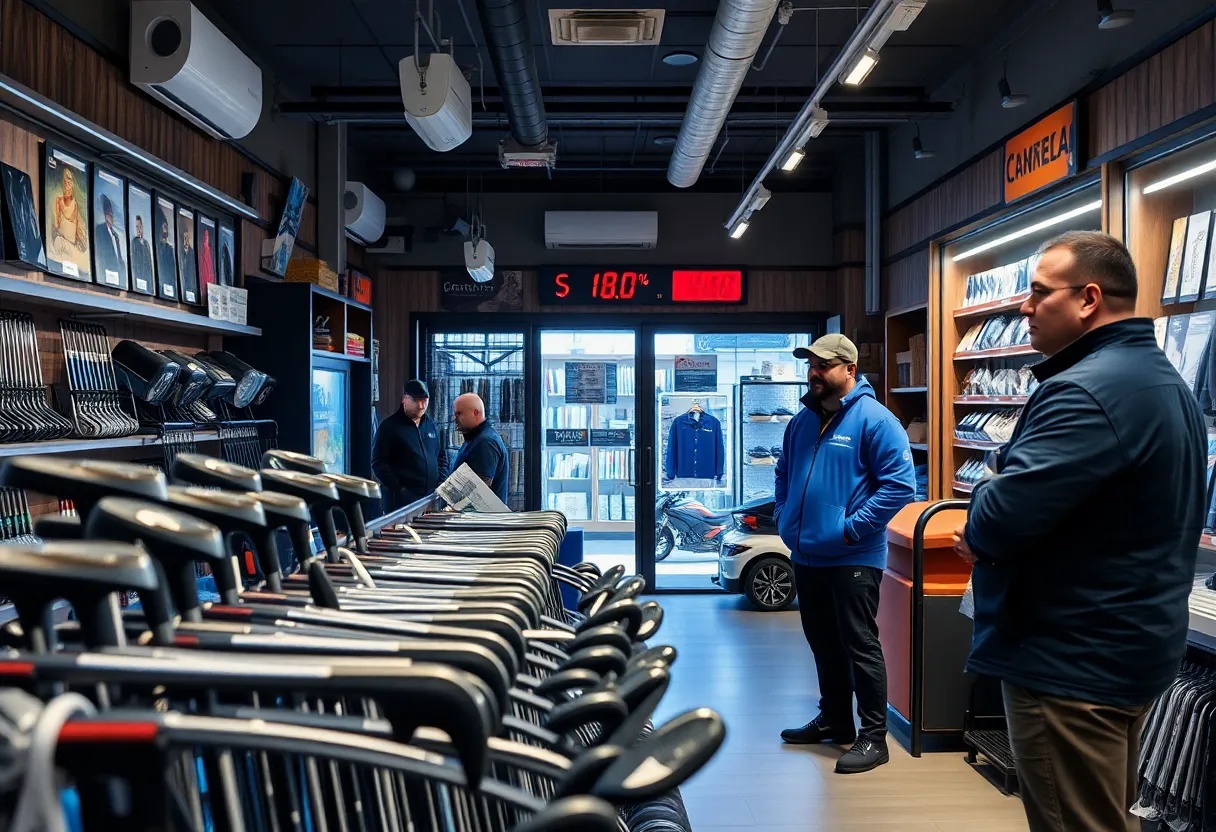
[182, 60]
[566, 230]
[364, 213]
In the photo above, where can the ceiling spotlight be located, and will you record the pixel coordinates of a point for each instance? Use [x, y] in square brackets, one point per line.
[739, 230]
[664, 141]
[679, 59]
[861, 68]
[1111, 18]
[1010, 99]
[918, 147]
[793, 160]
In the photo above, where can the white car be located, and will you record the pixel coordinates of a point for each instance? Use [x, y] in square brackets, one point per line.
[753, 561]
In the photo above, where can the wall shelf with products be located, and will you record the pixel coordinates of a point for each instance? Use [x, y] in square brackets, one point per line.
[981, 280]
[906, 380]
[764, 409]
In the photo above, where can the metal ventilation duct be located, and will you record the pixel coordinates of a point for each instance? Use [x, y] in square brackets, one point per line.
[505, 26]
[738, 31]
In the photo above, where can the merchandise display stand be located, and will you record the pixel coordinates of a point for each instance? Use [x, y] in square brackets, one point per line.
[780, 401]
[906, 376]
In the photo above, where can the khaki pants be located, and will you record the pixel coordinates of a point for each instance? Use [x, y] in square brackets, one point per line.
[1076, 761]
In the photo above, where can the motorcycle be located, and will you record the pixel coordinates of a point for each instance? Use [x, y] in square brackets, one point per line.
[685, 523]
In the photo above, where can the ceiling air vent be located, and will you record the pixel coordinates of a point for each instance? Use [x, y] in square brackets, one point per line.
[592, 27]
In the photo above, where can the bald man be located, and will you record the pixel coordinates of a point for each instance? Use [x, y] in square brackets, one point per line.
[483, 448]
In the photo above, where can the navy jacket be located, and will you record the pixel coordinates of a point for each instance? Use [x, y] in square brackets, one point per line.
[695, 448]
[837, 490]
[1087, 534]
[487, 455]
[408, 459]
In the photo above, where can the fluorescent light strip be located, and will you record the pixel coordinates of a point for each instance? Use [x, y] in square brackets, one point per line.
[793, 160]
[1031, 229]
[739, 230]
[862, 68]
[1170, 181]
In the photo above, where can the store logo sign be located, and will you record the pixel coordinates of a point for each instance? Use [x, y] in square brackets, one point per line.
[1042, 154]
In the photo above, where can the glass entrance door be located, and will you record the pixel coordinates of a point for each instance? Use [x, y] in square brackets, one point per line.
[589, 389]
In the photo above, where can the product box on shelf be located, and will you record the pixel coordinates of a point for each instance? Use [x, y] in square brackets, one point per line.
[903, 368]
[359, 286]
[309, 270]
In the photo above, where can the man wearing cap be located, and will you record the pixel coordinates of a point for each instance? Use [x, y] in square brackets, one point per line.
[845, 471]
[408, 457]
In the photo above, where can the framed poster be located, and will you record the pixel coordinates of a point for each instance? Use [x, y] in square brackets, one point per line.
[1173, 266]
[226, 266]
[1194, 256]
[187, 259]
[22, 237]
[65, 212]
[139, 230]
[109, 228]
[206, 255]
[166, 250]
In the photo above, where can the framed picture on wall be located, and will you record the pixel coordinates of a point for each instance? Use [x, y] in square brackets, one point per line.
[140, 227]
[109, 228]
[65, 213]
[164, 219]
[226, 269]
[1194, 256]
[22, 236]
[187, 258]
[206, 255]
[1173, 266]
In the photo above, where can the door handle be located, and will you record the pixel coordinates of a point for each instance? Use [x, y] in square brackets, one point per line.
[649, 465]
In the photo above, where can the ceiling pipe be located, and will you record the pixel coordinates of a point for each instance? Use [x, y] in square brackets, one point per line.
[505, 26]
[734, 42]
[797, 131]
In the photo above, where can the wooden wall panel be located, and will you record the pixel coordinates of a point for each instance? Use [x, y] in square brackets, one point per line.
[906, 282]
[1174, 83]
[974, 189]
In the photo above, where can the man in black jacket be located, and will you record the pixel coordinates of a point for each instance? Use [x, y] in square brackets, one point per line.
[1084, 540]
[408, 457]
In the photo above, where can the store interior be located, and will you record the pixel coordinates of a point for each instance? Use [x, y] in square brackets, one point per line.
[230, 236]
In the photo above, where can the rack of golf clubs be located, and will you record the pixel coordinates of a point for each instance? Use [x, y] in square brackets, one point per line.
[426, 678]
[25, 415]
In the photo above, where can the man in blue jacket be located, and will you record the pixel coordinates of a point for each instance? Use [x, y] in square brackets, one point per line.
[1084, 540]
[845, 471]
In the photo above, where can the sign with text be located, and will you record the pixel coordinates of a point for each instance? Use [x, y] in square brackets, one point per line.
[612, 437]
[458, 292]
[696, 373]
[1042, 154]
[590, 382]
[566, 438]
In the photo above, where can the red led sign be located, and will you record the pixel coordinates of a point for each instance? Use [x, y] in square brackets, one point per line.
[640, 286]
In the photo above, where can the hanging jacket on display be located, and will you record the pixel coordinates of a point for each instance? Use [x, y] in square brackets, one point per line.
[695, 448]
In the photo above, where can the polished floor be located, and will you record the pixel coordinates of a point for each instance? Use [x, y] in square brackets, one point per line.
[756, 670]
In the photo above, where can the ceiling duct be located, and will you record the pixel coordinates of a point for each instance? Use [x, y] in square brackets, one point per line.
[739, 28]
[505, 26]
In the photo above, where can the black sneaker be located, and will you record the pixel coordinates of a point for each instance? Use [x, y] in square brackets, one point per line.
[866, 754]
[817, 731]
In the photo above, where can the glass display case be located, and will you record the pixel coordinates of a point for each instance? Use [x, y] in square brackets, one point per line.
[765, 408]
[330, 416]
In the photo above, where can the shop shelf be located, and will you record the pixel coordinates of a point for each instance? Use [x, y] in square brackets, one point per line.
[908, 310]
[909, 390]
[70, 446]
[963, 487]
[1001, 352]
[993, 400]
[358, 359]
[977, 446]
[992, 307]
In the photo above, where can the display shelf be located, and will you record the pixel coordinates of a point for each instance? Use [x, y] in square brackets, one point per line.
[962, 487]
[326, 293]
[70, 446]
[909, 390]
[977, 446]
[1000, 352]
[908, 310]
[991, 400]
[983, 310]
[342, 356]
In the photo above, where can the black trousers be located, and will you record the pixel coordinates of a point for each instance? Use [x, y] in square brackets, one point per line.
[839, 609]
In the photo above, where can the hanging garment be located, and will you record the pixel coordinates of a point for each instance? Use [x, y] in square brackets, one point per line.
[695, 447]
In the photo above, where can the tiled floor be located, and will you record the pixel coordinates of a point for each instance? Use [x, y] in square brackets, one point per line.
[756, 670]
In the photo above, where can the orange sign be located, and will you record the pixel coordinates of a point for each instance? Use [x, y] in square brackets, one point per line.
[1043, 153]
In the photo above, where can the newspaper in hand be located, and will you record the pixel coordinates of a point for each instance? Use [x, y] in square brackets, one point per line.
[465, 491]
[967, 605]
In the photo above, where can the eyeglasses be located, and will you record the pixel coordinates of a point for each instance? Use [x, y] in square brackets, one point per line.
[822, 366]
[1039, 293]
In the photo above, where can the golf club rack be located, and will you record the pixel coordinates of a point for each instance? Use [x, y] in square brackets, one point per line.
[419, 673]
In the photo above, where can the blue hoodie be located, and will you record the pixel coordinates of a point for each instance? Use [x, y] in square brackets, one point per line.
[837, 492]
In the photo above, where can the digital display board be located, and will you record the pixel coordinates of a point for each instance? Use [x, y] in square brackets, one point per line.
[625, 285]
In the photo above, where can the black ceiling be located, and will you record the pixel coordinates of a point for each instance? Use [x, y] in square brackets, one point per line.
[607, 106]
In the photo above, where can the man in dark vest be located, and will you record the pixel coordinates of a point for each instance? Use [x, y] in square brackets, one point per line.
[408, 456]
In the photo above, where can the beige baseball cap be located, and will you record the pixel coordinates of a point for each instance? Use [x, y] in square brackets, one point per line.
[830, 347]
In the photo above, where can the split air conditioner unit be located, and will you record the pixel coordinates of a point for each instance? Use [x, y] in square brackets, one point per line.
[438, 104]
[364, 213]
[182, 60]
[589, 230]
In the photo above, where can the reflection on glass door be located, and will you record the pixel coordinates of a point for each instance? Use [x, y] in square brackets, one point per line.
[588, 415]
[722, 402]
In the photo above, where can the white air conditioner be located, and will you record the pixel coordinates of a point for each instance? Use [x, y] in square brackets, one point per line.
[437, 101]
[182, 60]
[364, 213]
[601, 229]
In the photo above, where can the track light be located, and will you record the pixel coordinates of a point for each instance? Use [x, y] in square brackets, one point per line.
[1010, 99]
[1170, 181]
[739, 230]
[819, 122]
[918, 147]
[763, 195]
[793, 160]
[1111, 18]
[861, 68]
[1030, 229]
